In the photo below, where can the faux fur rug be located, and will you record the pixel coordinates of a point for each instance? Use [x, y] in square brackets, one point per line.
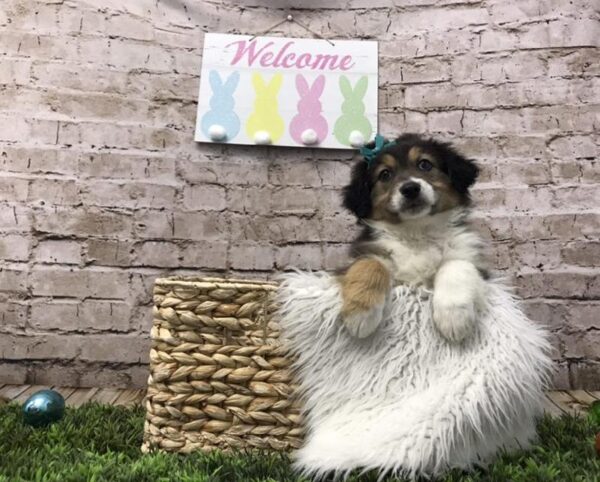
[405, 400]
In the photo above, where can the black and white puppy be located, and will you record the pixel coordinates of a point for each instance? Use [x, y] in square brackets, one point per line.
[413, 200]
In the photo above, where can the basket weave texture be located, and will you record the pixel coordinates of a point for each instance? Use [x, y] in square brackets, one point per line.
[218, 372]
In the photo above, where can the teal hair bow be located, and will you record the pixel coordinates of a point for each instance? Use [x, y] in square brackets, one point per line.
[371, 153]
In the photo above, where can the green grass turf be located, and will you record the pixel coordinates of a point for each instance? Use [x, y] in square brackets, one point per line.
[102, 443]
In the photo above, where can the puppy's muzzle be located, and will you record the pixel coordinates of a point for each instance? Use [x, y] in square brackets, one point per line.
[410, 190]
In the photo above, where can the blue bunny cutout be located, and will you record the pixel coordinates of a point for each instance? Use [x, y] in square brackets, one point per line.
[222, 105]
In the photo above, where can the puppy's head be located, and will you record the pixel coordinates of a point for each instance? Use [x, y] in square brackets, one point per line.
[413, 178]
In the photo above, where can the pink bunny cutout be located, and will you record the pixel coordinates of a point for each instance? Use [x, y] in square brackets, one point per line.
[308, 126]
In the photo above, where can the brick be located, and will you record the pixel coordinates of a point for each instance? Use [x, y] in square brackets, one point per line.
[13, 373]
[79, 283]
[91, 134]
[130, 195]
[163, 87]
[522, 172]
[250, 256]
[417, 71]
[83, 222]
[114, 348]
[448, 123]
[157, 253]
[96, 106]
[39, 347]
[139, 376]
[247, 172]
[585, 374]
[583, 345]
[33, 131]
[15, 71]
[584, 315]
[14, 218]
[109, 252]
[13, 280]
[335, 256]
[54, 192]
[440, 18]
[204, 255]
[330, 202]
[33, 160]
[573, 146]
[581, 253]
[530, 10]
[553, 314]
[14, 247]
[100, 375]
[130, 27]
[299, 256]
[13, 189]
[563, 32]
[125, 54]
[334, 173]
[13, 315]
[574, 63]
[170, 255]
[198, 226]
[537, 254]
[498, 40]
[65, 373]
[339, 228]
[205, 198]
[288, 200]
[294, 173]
[255, 200]
[69, 76]
[280, 229]
[556, 284]
[86, 316]
[561, 377]
[117, 165]
[45, 47]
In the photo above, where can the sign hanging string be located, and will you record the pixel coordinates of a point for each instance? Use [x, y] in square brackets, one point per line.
[290, 18]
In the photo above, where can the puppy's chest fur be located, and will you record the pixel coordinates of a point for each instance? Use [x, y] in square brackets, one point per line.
[413, 262]
[415, 252]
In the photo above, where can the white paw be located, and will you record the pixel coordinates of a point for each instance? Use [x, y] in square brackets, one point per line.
[454, 320]
[364, 323]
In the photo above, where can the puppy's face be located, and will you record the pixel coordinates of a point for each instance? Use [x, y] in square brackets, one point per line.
[412, 179]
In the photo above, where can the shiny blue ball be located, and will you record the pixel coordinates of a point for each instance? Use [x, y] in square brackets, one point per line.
[43, 408]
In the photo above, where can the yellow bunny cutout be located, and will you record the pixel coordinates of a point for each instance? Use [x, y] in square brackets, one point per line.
[265, 119]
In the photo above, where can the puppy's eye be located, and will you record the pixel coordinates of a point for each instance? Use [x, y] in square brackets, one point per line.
[385, 175]
[425, 165]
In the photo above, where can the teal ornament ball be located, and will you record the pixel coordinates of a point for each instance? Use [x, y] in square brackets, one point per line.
[43, 408]
[594, 413]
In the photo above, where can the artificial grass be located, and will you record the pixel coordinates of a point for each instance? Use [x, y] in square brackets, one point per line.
[102, 443]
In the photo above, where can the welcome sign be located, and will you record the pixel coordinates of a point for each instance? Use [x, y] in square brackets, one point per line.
[287, 91]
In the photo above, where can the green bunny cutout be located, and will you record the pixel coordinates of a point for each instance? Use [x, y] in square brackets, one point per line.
[353, 112]
[265, 116]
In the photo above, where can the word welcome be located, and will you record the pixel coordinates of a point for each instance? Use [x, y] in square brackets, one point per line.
[266, 56]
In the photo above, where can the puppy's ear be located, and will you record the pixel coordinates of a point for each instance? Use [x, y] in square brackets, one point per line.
[357, 194]
[462, 172]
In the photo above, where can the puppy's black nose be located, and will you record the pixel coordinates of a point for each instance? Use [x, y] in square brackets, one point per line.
[410, 189]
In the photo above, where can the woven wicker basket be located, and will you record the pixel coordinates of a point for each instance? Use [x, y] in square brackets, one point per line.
[218, 372]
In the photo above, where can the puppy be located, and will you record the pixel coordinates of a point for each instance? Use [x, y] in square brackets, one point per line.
[413, 200]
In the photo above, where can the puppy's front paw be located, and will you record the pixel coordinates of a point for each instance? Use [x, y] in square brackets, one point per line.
[455, 319]
[363, 323]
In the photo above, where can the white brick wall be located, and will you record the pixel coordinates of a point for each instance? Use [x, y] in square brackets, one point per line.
[102, 187]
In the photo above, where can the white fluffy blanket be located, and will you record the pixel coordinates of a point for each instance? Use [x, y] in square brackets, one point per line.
[405, 400]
